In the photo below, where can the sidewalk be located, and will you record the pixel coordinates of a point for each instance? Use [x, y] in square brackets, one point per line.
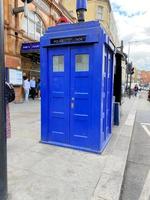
[43, 172]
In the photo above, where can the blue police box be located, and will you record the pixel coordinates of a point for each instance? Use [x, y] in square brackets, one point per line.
[77, 64]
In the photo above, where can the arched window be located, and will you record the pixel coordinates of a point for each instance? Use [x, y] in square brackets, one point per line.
[33, 26]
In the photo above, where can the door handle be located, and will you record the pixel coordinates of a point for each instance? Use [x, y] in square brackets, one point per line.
[72, 105]
[72, 102]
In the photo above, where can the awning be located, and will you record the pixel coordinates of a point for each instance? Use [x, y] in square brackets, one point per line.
[31, 50]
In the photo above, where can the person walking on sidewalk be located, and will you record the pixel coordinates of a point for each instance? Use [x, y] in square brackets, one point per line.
[136, 90]
[148, 96]
[26, 86]
[33, 87]
[38, 89]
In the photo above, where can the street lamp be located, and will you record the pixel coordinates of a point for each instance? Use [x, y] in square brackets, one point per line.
[134, 42]
[22, 8]
[129, 50]
[128, 71]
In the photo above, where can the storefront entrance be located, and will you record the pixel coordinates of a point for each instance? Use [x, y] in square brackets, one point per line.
[30, 60]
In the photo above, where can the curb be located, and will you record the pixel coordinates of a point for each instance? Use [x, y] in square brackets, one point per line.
[110, 183]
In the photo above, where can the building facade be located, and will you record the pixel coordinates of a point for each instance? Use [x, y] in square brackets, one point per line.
[20, 28]
[97, 10]
[26, 28]
[144, 77]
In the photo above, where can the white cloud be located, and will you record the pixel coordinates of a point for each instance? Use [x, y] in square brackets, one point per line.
[132, 18]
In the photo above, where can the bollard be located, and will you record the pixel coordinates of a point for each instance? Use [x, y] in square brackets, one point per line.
[116, 113]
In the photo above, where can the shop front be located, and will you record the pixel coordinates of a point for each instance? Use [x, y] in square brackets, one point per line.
[30, 59]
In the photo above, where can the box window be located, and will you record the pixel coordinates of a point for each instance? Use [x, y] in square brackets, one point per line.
[82, 63]
[58, 63]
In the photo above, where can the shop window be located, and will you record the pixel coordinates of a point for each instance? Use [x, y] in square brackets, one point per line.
[82, 63]
[33, 26]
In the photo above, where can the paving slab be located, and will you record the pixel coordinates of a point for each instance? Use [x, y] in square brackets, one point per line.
[44, 172]
[108, 187]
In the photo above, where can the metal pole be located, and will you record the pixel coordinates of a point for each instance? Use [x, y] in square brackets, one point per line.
[127, 82]
[130, 82]
[130, 86]
[129, 53]
[127, 70]
[3, 145]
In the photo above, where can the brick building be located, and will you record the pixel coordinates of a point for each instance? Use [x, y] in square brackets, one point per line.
[21, 29]
[144, 77]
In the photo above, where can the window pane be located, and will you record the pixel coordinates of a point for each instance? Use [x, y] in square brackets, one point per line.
[58, 63]
[37, 36]
[36, 18]
[43, 29]
[31, 15]
[38, 27]
[100, 13]
[24, 25]
[82, 63]
[35, 27]
[31, 29]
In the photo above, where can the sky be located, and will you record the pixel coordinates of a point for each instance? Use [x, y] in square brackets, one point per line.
[133, 22]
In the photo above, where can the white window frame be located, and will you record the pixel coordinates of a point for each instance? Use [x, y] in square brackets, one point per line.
[33, 21]
[100, 13]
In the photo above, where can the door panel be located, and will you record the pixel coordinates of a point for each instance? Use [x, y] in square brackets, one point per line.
[70, 96]
[110, 74]
[80, 113]
[105, 97]
[59, 95]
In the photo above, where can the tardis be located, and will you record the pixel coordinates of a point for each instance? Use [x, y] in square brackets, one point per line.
[77, 67]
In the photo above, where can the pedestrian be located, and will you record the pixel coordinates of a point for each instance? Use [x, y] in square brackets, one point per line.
[26, 86]
[136, 90]
[33, 88]
[38, 88]
[148, 96]
[9, 97]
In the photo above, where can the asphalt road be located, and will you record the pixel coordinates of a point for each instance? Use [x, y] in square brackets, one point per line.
[136, 184]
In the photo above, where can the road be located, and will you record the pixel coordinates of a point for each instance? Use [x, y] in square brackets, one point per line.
[136, 184]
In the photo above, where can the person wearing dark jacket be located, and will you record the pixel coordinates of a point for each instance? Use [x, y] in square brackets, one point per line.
[9, 97]
[148, 96]
[136, 89]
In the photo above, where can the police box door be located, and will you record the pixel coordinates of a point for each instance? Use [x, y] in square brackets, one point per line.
[81, 96]
[70, 95]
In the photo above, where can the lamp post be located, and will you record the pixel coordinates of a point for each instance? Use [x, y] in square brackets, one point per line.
[129, 80]
[127, 67]
[129, 50]
[3, 145]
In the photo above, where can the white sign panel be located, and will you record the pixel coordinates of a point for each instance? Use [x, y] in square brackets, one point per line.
[15, 77]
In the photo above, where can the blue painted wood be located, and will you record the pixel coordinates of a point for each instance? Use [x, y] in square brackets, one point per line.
[76, 104]
[81, 4]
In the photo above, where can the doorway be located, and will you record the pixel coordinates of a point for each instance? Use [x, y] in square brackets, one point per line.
[70, 98]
